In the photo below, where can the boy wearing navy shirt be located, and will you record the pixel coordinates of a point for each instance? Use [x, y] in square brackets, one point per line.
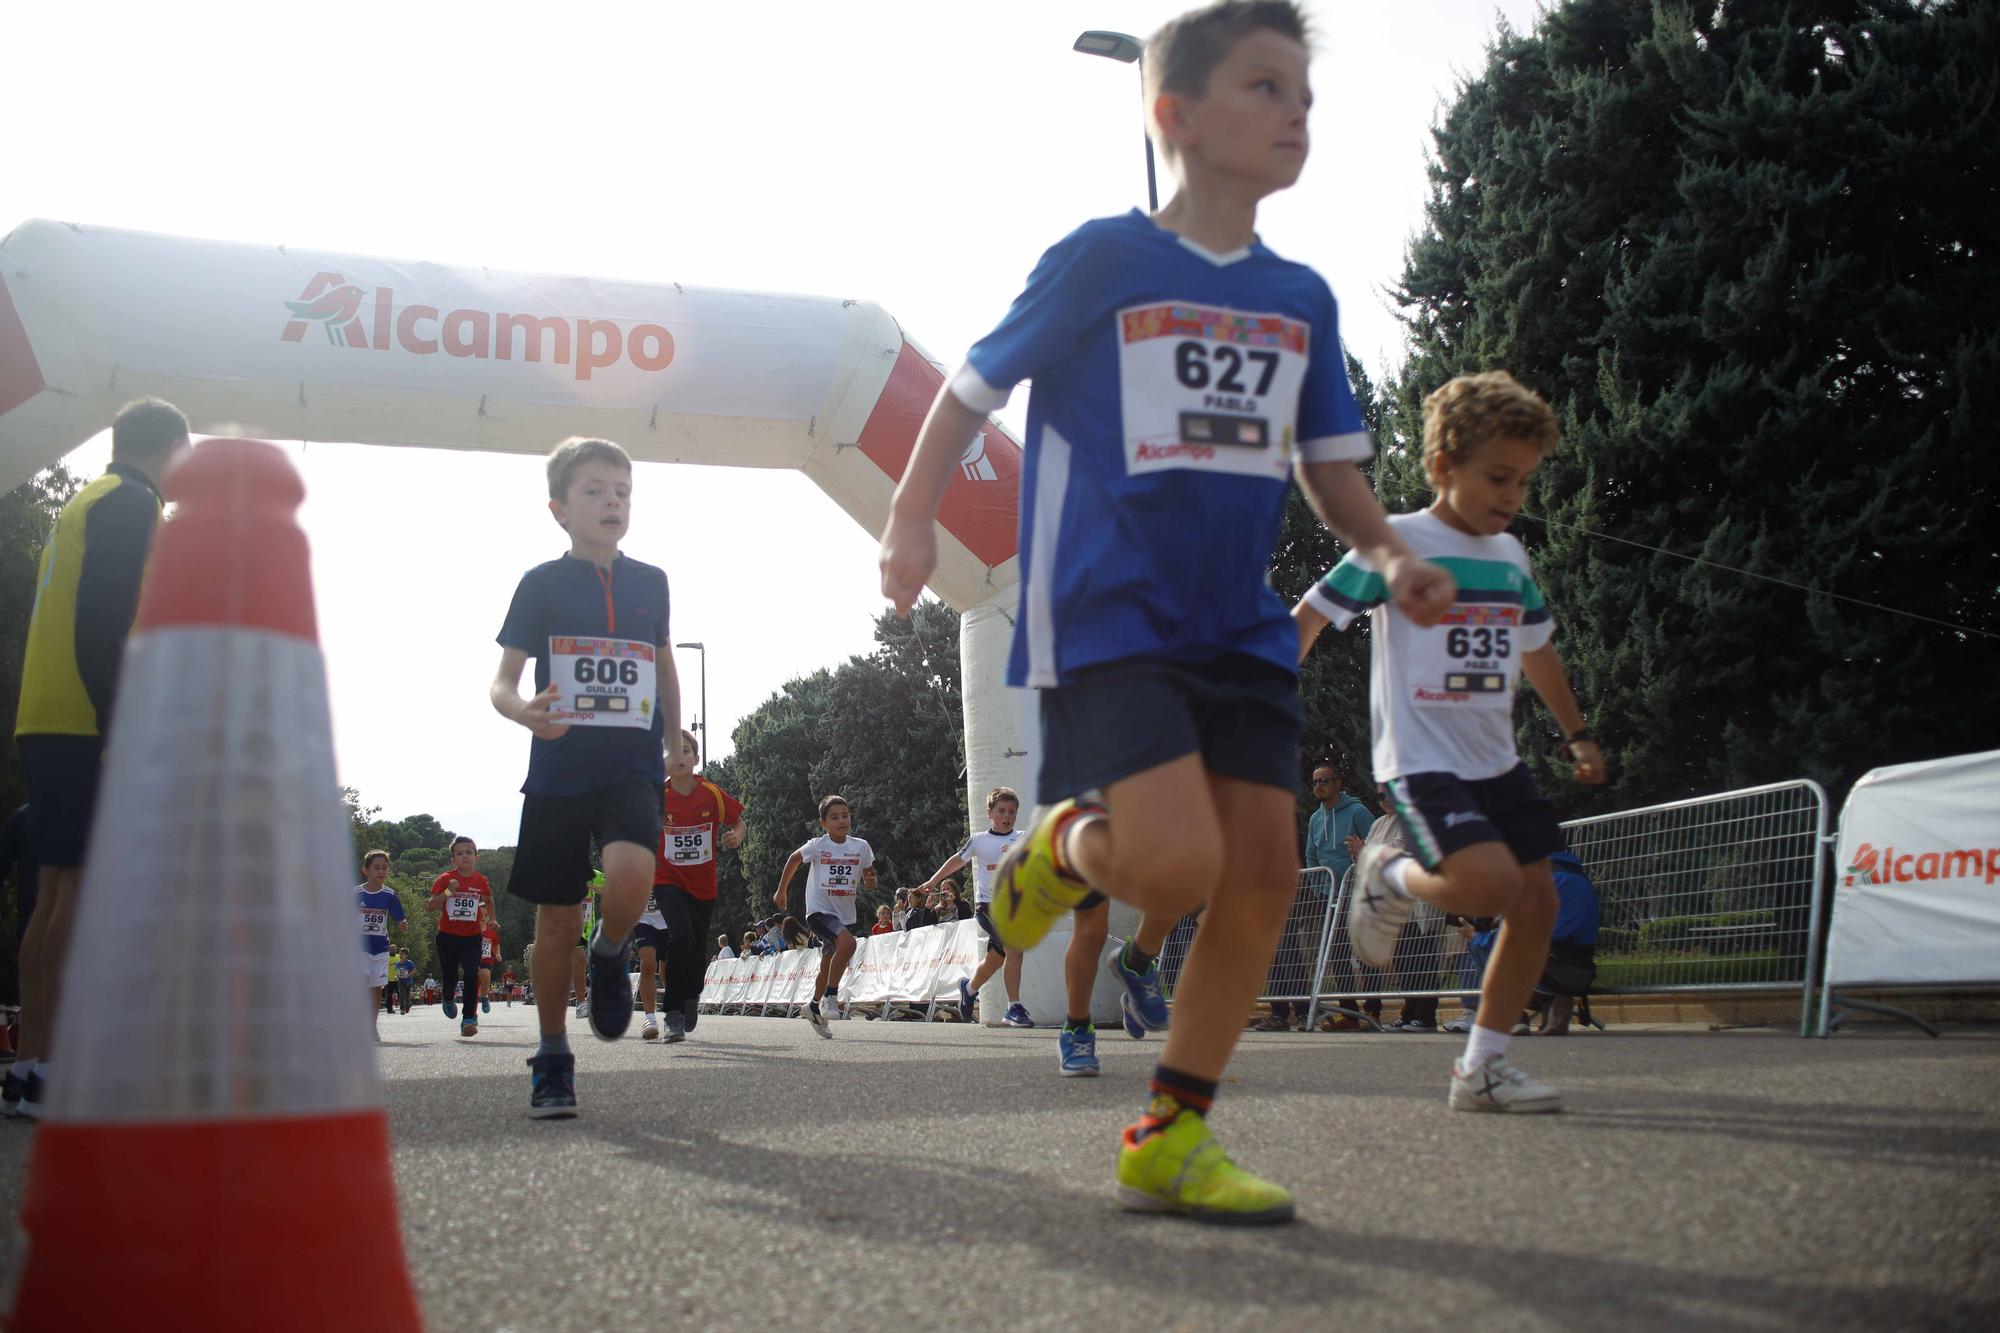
[1182, 373]
[594, 622]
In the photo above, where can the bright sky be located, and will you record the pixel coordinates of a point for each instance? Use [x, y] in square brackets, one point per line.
[915, 154]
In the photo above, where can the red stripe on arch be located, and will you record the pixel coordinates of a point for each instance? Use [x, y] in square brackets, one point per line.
[20, 375]
[982, 513]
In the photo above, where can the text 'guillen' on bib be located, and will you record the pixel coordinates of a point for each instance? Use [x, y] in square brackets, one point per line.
[1210, 389]
[603, 682]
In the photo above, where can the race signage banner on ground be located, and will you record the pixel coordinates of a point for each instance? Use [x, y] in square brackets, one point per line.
[1917, 876]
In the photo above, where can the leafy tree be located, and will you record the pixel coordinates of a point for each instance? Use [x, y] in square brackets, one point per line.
[1748, 252]
[886, 731]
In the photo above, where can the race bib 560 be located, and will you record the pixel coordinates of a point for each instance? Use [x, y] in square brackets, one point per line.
[603, 682]
[1210, 389]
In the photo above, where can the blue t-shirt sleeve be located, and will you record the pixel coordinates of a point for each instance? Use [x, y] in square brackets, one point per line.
[526, 627]
[1330, 427]
[1045, 323]
[396, 907]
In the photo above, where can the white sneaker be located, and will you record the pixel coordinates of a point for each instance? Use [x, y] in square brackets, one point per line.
[1378, 910]
[1498, 1086]
[583, 1009]
[650, 1031]
[818, 1020]
[1460, 1025]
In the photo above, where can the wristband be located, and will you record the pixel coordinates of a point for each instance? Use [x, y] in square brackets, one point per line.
[1580, 734]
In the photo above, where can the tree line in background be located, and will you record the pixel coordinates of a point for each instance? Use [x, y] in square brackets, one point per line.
[1747, 250]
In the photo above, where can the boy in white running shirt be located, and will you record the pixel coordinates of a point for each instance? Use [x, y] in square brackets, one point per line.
[836, 863]
[982, 852]
[1441, 704]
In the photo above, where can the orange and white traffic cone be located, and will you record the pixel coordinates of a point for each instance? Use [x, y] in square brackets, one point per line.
[219, 1157]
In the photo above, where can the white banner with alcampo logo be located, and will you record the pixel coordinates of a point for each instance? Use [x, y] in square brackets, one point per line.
[1917, 876]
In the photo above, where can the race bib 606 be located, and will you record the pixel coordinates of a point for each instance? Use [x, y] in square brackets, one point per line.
[1210, 389]
[603, 682]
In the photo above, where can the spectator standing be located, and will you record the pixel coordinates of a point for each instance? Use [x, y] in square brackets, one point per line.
[86, 595]
[920, 913]
[722, 949]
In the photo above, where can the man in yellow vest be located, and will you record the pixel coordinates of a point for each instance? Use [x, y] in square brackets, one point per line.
[85, 598]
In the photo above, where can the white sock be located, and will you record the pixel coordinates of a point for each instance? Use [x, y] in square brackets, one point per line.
[1397, 872]
[1483, 1045]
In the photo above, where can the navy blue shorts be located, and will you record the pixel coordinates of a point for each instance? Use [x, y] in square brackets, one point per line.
[647, 936]
[1239, 713]
[1441, 814]
[62, 773]
[828, 927]
[552, 853]
[984, 916]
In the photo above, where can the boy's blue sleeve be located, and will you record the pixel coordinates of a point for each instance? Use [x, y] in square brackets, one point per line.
[1330, 427]
[524, 626]
[396, 908]
[1041, 328]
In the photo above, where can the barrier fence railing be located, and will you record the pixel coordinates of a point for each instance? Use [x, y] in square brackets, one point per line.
[1717, 894]
[905, 969]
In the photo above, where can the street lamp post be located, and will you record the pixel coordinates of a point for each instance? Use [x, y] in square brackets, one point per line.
[1127, 50]
[701, 726]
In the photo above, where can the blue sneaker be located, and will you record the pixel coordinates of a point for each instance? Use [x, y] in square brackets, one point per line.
[1079, 1052]
[1133, 1027]
[1143, 999]
[450, 1009]
[485, 1005]
[1017, 1016]
[965, 999]
[552, 1083]
[610, 988]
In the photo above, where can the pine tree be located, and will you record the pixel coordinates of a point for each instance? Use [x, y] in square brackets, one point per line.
[1748, 252]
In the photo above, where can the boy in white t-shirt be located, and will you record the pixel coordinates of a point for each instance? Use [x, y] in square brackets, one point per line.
[1441, 705]
[982, 852]
[836, 864]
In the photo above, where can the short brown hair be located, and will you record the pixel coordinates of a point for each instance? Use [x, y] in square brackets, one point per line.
[1463, 413]
[999, 794]
[829, 801]
[464, 839]
[368, 858]
[1185, 51]
[573, 453]
[147, 428]
[691, 739]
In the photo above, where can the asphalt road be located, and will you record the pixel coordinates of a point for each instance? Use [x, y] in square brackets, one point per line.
[926, 1176]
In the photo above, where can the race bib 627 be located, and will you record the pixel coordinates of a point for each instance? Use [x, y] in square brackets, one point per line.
[1210, 389]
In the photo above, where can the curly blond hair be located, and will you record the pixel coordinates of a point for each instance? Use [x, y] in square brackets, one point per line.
[1467, 411]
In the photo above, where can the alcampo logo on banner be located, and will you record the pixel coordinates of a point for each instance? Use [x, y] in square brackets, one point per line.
[1887, 866]
[590, 345]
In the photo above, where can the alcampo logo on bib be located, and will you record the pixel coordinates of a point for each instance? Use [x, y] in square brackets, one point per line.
[1888, 867]
[350, 317]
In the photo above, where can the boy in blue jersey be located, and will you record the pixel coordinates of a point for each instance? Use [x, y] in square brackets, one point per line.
[380, 906]
[1441, 705]
[594, 622]
[1182, 373]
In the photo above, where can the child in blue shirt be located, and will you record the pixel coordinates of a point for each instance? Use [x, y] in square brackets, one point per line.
[1183, 373]
[380, 906]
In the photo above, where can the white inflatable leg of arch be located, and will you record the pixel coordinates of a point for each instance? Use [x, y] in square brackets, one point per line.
[1002, 737]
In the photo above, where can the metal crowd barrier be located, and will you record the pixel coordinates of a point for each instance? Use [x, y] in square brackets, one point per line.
[1718, 894]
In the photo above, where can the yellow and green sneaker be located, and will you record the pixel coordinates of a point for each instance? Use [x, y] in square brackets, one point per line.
[1182, 1169]
[1029, 893]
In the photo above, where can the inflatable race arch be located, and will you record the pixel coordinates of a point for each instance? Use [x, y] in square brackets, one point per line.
[307, 345]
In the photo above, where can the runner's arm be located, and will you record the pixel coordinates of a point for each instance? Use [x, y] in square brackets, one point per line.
[792, 864]
[670, 690]
[1310, 622]
[1544, 669]
[909, 542]
[956, 863]
[1346, 503]
[505, 692]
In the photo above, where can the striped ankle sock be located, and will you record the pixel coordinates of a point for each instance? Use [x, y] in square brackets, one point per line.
[1169, 1093]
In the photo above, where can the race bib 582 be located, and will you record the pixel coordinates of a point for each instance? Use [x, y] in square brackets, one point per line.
[1210, 389]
